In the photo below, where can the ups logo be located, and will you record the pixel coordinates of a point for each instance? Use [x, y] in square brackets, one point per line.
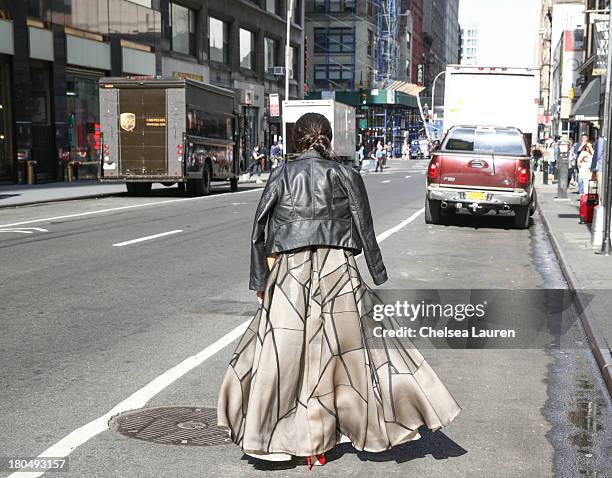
[127, 121]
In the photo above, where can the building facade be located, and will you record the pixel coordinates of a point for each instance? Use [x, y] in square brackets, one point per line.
[452, 32]
[341, 41]
[469, 45]
[53, 53]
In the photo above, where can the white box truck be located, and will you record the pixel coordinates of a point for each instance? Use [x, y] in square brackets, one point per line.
[341, 117]
[492, 96]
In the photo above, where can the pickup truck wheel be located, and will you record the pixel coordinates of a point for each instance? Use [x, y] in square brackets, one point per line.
[521, 217]
[534, 203]
[233, 184]
[433, 211]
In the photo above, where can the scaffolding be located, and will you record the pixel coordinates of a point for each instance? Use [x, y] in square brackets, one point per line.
[388, 13]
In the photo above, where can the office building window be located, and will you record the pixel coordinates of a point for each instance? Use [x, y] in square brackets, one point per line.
[183, 24]
[273, 6]
[334, 40]
[370, 42]
[330, 6]
[333, 76]
[218, 43]
[294, 62]
[247, 49]
[270, 54]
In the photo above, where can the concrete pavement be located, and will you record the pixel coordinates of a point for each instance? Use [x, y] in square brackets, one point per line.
[86, 325]
[585, 271]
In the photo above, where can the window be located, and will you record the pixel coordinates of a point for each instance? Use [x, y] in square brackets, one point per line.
[218, 34]
[334, 40]
[370, 42]
[330, 6]
[273, 6]
[486, 141]
[247, 49]
[270, 53]
[334, 75]
[294, 62]
[183, 24]
[296, 14]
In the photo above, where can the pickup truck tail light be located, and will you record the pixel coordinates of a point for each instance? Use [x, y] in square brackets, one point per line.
[523, 173]
[433, 172]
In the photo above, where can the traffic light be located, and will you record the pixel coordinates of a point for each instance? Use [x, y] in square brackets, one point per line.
[363, 97]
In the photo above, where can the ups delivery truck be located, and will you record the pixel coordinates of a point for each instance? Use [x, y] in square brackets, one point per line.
[167, 130]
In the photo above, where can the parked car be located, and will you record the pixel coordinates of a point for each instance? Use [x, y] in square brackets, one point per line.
[479, 169]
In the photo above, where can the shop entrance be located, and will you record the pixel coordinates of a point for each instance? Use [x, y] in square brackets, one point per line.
[43, 132]
[6, 149]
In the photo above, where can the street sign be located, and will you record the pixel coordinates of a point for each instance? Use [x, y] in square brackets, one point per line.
[420, 74]
[274, 104]
[363, 123]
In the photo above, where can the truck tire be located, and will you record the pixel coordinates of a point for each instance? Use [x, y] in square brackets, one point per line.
[433, 211]
[138, 189]
[233, 184]
[181, 187]
[200, 186]
[521, 217]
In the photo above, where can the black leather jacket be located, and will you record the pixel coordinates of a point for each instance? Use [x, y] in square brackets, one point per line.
[313, 201]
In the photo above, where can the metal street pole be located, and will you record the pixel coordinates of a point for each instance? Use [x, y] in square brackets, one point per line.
[607, 163]
[288, 48]
[433, 94]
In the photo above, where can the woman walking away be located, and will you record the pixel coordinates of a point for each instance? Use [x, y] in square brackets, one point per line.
[585, 156]
[308, 373]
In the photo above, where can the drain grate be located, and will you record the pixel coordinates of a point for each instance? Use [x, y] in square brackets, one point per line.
[191, 426]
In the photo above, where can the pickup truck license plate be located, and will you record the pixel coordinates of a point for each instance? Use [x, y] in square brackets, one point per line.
[475, 195]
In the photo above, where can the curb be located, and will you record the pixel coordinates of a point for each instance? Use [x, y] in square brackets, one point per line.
[597, 341]
[88, 196]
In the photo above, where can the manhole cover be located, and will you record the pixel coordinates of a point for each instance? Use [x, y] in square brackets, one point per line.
[193, 426]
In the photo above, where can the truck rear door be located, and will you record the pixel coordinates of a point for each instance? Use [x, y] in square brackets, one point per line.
[142, 132]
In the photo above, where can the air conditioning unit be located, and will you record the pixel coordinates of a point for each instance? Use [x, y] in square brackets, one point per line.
[277, 70]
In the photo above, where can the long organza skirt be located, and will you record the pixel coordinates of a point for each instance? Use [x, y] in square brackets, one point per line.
[308, 372]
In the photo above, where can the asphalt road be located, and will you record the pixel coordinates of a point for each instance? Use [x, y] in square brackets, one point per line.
[91, 320]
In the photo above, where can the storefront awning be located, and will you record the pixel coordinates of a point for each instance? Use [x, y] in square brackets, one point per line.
[405, 87]
[587, 106]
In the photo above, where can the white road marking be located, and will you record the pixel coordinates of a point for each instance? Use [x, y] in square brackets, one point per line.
[121, 208]
[408, 177]
[147, 238]
[141, 397]
[25, 230]
[389, 232]
[386, 181]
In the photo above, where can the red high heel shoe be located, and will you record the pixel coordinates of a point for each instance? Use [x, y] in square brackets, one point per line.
[321, 460]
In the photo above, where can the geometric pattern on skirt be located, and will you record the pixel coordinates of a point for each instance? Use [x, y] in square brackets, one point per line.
[307, 370]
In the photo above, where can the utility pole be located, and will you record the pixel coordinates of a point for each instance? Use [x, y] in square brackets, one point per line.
[607, 163]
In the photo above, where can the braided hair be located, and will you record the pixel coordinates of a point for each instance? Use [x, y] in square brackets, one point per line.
[313, 131]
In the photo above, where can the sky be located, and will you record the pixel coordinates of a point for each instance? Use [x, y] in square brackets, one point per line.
[507, 30]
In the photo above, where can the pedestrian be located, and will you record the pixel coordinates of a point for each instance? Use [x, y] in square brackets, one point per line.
[379, 156]
[405, 150]
[585, 157]
[388, 153]
[306, 375]
[255, 166]
[360, 156]
[276, 154]
[264, 156]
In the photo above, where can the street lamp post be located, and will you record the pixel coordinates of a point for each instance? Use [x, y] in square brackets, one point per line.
[433, 94]
[287, 48]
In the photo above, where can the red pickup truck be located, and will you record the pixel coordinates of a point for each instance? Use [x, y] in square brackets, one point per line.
[479, 169]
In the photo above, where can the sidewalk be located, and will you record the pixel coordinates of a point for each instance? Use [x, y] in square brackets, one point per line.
[583, 269]
[27, 194]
